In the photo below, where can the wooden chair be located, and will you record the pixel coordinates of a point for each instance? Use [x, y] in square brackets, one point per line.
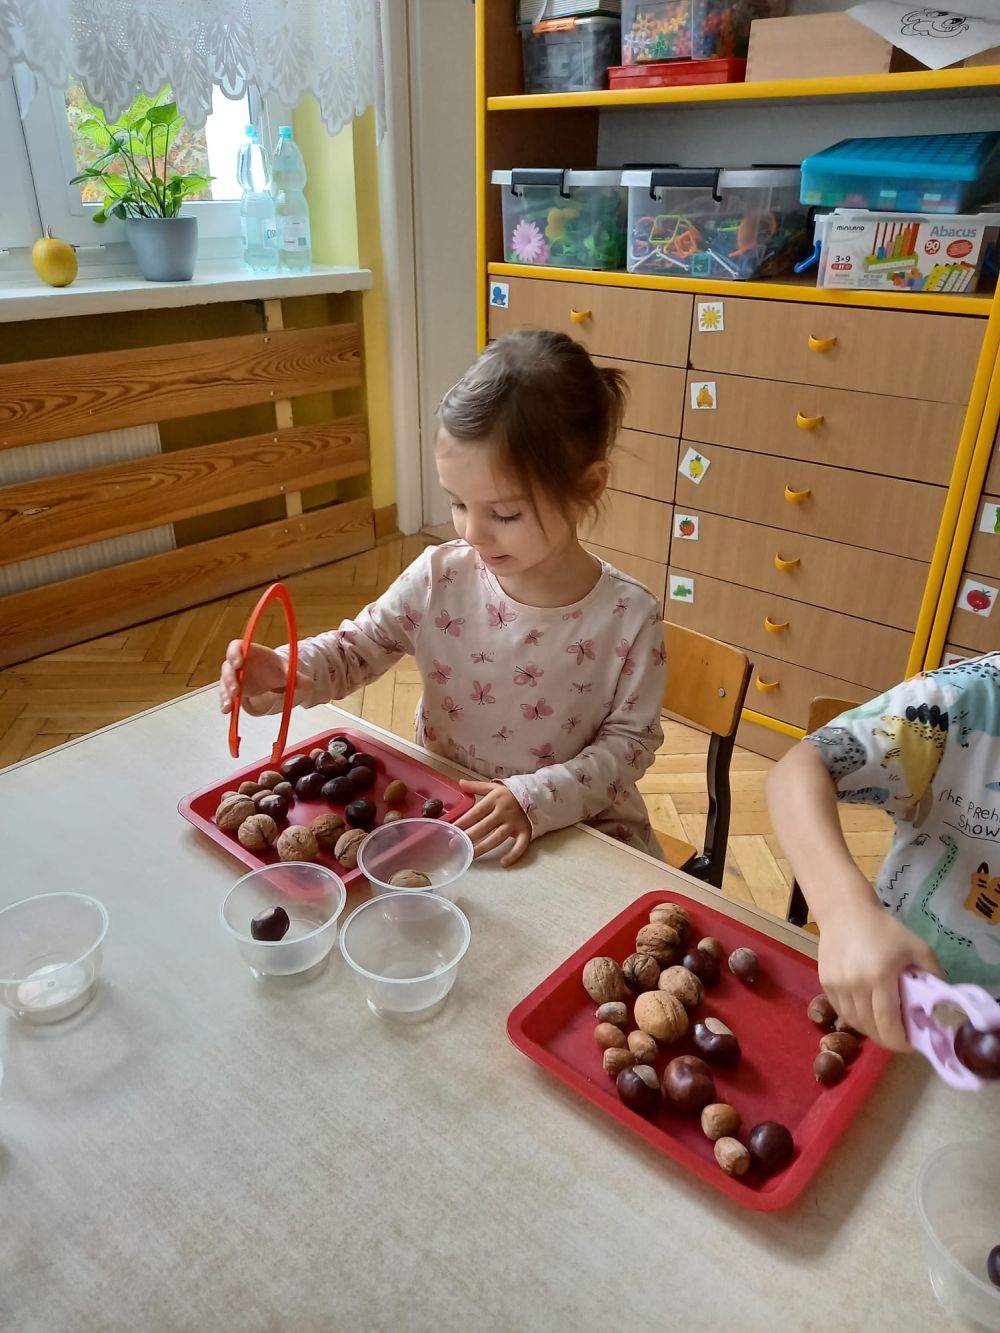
[822, 710]
[706, 685]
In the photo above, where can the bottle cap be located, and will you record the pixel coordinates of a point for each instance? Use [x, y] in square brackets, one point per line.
[285, 132]
[250, 132]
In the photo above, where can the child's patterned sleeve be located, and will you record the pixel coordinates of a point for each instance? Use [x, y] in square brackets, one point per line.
[361, 650]
[604, 774]
[887, 752]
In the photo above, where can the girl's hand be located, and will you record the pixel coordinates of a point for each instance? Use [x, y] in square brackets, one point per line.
[495, 818]
[266, 673]
[862, 954]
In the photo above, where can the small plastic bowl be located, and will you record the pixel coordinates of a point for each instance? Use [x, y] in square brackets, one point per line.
[440, 851]
[958, 1203]
[50, 954]
[405, 949]
[313, 897]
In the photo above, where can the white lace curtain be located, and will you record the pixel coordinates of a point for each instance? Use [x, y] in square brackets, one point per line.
[284, 48]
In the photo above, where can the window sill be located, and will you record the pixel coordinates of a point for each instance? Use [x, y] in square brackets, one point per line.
[23, 297]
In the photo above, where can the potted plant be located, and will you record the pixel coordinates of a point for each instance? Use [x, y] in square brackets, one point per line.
[142, 189]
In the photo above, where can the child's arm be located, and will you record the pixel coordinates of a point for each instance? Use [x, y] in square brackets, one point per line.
[336, 663]
[862, 948]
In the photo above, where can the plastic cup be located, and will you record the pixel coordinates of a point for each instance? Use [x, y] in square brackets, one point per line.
[405, 949]
[50, 954]
[440, 851]
[958, 1203]
[313, 897]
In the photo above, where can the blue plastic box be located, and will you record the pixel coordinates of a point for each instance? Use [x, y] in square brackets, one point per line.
[920, 173]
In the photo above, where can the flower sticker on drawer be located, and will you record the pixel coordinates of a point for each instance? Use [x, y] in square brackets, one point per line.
[977, 597]
[686, 527]
[681, 588]
[694, 466]
[990, 521]
[703, 396]
[711, 317]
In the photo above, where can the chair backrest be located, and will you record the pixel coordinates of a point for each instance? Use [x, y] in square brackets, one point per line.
[706, 680]
[824, 708]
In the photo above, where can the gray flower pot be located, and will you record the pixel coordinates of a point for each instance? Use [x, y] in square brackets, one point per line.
[165, 248]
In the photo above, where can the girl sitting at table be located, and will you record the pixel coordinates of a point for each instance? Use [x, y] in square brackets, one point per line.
[543, 667]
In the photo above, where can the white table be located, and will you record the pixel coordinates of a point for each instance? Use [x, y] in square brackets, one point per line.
[196, 1152]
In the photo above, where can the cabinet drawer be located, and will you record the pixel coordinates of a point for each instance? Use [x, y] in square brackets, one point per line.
[870, 432]
[880, 513]
[984, 549]
[784, 691]
[650, 574]
[613, 321]
[879, 351]
[644, 464]
[870, 655]
[992, 483]
[978, 632]
[633, 524]
[869, 584]
[655, 396]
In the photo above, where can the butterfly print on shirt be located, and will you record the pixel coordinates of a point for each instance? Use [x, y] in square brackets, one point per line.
[481, 694]
[410, 619]
[530, 674]
[616, 792]
[571, 724]
[441, 673]
[582, 687]
[448, 625]
[584, 650]
[621, 606]
[583, 777]
[533, 637]
[504, 734]
[545, 755]
[447, 577]
[500, 616]
[480, 658]
[528, 806]
[622, 651]
[659, 656]
[573, 615]
[634, 754]
[451, 707]
[630, 703]
[553, 791]
[535, 712]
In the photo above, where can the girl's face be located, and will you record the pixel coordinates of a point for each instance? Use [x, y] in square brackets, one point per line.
[492, 513]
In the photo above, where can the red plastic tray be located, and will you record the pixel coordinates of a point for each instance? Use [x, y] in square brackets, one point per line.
[424, 783]
[554, 1026]
[677, 73]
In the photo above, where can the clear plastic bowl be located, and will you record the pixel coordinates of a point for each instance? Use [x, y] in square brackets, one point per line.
[50, 954]
[313, 897]
[405, 949]
[440, 851]
[958, 1203]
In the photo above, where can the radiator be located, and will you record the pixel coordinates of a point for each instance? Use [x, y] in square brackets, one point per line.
[79, 455]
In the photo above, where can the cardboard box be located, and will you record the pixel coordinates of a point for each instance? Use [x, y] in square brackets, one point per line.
[909, 252]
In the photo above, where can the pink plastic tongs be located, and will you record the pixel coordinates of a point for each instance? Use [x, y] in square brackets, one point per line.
[919, 994]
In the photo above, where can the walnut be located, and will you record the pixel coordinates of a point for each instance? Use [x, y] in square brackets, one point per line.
[347, 847]
[257, 832]
[298, 844]
[409, 879]
[232, 812]
[327, 829]
[603, 980]
[672, 914]
[641, 971]
[661, 1015]
[683, 985]
[663, 942]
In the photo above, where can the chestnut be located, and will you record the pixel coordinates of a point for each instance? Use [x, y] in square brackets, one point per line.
[310, 786]
[703, 965]
[361, 760]
[296, 767]
[688, 1084]
[432, 809]
[639, 1088]
[395, 792]
[846, 1046]
[338, 791]
[341, 745]
[979, 1051]
[743, 965]
[716, 1043]
[271, 924]
[361, 778]
[331, 765]
[841, 1026]
[361, 814]
[771, 1146]
[821, 1012]
[829, 1068]
[712, 947]
[273, 805]
[315, 754]
[285, 789]
[993, 1265]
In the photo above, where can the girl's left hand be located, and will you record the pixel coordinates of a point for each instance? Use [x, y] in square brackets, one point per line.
[495, 818]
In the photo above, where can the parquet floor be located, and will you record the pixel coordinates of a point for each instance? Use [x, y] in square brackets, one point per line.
[77, 690]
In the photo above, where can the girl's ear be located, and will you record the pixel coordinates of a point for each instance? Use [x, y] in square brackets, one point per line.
[595, 480]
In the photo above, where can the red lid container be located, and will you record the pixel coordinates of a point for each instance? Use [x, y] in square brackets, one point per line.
[677, 73]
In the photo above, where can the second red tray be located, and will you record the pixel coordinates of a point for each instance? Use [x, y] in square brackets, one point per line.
[554, 1026]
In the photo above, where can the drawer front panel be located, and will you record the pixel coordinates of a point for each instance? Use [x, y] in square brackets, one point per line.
[644, 464]
[633, 524]
[984, 549]
[649, 573]
[784, 691]
[979, 632]
[655, 396]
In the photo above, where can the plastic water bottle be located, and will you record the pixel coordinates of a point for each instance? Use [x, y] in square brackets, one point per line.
[258, 224]
[288, 177]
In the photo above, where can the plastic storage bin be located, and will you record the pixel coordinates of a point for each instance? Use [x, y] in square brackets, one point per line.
[570, 55]
[563, 219]
[904, 251]
[708, 223]
[535, 11]
[690, 29]
[920, 173]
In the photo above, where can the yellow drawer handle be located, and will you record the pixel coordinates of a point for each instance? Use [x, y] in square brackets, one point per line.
[580, 316]
[807, 423]
[775, 626]
[766, 686]
[796, 497]
[781, 564]
[821, 344]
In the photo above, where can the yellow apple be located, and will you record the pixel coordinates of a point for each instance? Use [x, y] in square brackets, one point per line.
[54, 260]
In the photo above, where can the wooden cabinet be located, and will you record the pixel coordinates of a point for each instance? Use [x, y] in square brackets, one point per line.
[650, 573]
[784, 691]
[633, 524]
[644, 464]
[655, 396]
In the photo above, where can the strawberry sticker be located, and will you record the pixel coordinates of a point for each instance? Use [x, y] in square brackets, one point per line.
[977, 597]
[686, 527]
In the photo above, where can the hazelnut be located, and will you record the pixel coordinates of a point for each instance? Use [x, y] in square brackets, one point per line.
[603, 980]
[661, 1015]
[612, 1012]
[979, 1050]
[310, 786]
[607, 1035]
[298, 844]
[720, 1121]
[391, 816]
[327, 829]
[261, 794]
[841, 1026]
[821, 1012]
[249, 788]
[395, 793]
[409, 879]
[712, 947]
[432, 809]
[617, 1058]
[297, 766]
[682, 984]
[643, 1047]
[661, 941]
[688, 1084]
[269, 778]
[642, 972]
[716, 1043]
[829, 1068]
[232, 812]
[672, 914]
[639, 1088]
[284, 789]
[771, 1146]
[703, 965]
[732, 1157]
[271, 924]
[743, 965]
[843, 1044]
[346, 850]
[257, 832]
